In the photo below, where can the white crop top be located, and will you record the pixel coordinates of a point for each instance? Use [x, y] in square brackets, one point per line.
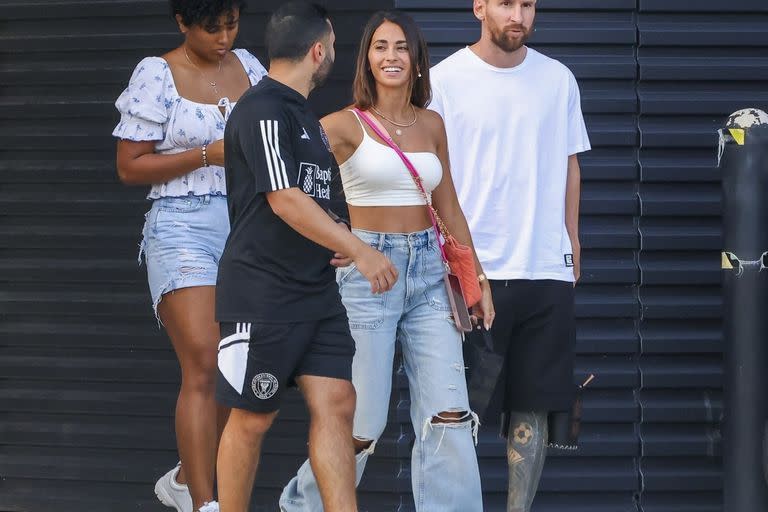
[376, 176]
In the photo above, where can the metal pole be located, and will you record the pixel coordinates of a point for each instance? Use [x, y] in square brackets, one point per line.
[744, 164]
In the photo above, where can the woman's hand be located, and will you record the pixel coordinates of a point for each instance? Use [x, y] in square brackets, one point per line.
[215, 152]
[484, 309]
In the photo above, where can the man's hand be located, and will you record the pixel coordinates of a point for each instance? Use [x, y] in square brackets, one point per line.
[305, 216]
[572, 200]
[339, 260]
[576, 261]
[375, 267]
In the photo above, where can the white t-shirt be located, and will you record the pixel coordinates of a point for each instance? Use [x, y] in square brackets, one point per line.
[510, 133]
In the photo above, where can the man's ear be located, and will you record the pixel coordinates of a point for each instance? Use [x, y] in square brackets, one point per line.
[478, 8]
[318, 52]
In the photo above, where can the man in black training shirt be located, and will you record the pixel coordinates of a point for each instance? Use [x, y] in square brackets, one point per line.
[282, 320]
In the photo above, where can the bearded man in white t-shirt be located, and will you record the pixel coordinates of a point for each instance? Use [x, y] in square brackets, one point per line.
[515, 127]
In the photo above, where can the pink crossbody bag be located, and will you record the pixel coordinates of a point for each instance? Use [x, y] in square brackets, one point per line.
[460, 278]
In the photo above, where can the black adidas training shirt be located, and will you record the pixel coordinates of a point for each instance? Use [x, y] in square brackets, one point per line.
[269, 272]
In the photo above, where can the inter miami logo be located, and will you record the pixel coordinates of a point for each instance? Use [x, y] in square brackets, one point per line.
[314, 181]
[264, 386]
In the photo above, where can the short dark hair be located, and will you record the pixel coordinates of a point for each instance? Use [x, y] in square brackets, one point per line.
[204, 13]
[364, 85]
[293, 28]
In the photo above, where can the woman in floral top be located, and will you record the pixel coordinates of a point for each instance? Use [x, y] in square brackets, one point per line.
[171, 128]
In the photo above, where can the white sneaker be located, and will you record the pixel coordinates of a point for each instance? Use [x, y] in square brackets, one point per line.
[210, 506]
[173, 494]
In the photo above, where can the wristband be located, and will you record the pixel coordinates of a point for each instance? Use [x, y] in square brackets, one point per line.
[337, 219]
[205, 155]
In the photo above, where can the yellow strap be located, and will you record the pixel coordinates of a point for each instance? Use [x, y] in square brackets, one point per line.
[738, 135]
[725, 262]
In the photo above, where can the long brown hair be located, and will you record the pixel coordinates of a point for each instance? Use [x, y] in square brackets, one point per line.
[364, 85]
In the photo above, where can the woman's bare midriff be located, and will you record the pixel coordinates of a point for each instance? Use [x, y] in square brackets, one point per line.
[390, 219]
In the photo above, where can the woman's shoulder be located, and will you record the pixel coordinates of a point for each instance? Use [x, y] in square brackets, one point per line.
[145, 104]
[343, 116]
[151, 68]
[254, 67]
[432, 120]
[433, 126]
[150, 91]
[430, 115]
[342, 124]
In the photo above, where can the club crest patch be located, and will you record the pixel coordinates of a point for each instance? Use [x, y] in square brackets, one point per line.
[264, 386]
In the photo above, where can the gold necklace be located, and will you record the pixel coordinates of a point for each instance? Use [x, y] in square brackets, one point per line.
[212, 83]
[398, 131]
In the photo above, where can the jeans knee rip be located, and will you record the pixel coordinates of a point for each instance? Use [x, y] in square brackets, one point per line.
[370, 449]
[470, 419]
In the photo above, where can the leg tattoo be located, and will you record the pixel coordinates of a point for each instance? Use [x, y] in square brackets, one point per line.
[526, 450]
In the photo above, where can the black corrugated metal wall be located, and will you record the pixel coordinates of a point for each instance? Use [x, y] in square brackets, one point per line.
[87, 383]
[697, 61]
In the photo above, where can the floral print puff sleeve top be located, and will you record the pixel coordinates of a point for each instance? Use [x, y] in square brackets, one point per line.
[151, 109]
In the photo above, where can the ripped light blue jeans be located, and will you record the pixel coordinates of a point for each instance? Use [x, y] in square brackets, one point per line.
[444, 469]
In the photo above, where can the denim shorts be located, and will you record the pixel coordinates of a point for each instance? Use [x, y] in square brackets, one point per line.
[183, 241]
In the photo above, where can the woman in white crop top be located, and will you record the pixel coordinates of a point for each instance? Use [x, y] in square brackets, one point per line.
[171, 128]
[388, 211]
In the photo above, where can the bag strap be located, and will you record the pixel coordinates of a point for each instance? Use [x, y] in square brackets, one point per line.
[437, 222]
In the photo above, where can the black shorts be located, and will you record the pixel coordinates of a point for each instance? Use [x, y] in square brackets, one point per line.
[257, 361]
[535, 327]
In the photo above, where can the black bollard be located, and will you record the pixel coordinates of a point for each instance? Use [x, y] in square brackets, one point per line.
[744, 165]
[765, 452]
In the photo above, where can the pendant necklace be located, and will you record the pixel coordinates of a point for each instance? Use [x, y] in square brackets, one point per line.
[210, 82]
[398, 131]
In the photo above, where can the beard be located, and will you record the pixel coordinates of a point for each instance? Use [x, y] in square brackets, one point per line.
[321, 75]
[507, 42]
